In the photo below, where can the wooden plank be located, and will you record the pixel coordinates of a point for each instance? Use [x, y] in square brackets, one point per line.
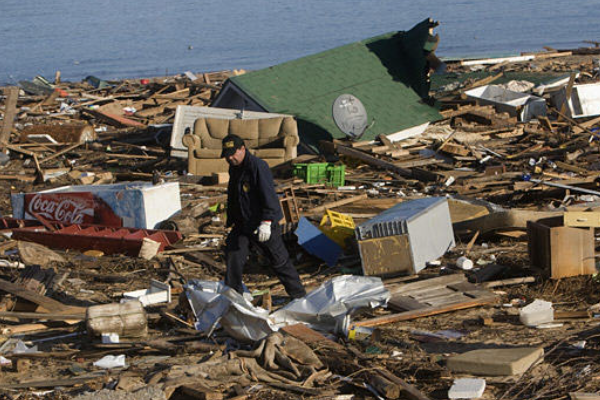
[405, 303]
[380, 149]
[432, 283]
[50, 383]
[10, 112]
[455, 149]
[431, 293]
[484, 81]
[404, 172]
[385, 140]
[200, 392]
[44, 302]
[408, 391]
[397, 153]
[113, 119]
[572, 168]
[15, 177]
[584, 396]
[44, 316]
[385, 387]
[60, 153]
[200, 258]
[426, 312]
[418, 163]
[309, 336]
[509, 282]
[334, 204]
[590, 123]
[463, 286]
[568, 93]
[455, 298]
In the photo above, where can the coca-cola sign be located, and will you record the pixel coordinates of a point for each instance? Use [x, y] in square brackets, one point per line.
[69, 208]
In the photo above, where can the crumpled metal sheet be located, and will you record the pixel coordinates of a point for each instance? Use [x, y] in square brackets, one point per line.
[327, 308]
[215, 302]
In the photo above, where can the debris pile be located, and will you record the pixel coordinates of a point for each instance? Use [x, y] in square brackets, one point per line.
[474, 235]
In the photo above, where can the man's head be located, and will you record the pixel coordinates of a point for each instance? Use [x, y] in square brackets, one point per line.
[234, 150]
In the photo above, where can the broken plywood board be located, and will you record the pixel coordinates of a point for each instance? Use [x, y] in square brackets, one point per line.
[431, 297]
[43, 302]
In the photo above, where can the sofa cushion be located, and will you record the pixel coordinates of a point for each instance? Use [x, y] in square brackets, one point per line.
[207, 153]
[269, 153]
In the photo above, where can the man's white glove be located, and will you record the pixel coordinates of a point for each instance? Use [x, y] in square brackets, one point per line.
[264, 231]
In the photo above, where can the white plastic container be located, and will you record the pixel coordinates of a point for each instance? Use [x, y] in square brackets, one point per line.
[464, 263]
[536, 313]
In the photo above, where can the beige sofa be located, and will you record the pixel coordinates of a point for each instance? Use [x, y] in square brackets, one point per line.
[275, 140]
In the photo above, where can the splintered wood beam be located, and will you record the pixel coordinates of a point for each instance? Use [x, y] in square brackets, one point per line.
[10, 112]
[421, 175]
[44, 302]
[339, 203]
[569, 91]
[425, 312]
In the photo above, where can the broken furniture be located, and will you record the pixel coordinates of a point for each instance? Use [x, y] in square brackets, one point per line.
[584, 100]
[289, 207]
[522, 105]
[131, 204]
[186, 116]
[274, 140]
[559, 250]
[402, 239]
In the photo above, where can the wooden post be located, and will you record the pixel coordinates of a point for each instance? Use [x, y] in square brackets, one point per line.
[10, 112]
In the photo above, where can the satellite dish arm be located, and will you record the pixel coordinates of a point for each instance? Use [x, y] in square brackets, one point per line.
[365, 130]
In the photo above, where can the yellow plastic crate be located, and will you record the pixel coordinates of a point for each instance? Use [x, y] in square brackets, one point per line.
[337, 227]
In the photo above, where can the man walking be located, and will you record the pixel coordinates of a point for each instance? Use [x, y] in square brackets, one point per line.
[254, 212]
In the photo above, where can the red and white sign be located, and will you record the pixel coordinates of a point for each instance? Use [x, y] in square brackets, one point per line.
[71, 208]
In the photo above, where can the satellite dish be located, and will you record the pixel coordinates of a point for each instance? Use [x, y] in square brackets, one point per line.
[350, 116]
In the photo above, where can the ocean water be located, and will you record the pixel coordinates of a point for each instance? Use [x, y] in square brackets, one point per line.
[115, 39]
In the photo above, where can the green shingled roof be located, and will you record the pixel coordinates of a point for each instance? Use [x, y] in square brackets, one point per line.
[385, 73]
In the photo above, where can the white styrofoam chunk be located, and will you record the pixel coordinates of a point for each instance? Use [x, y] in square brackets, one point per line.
[158, 292]
[536, 313]
[467, 388]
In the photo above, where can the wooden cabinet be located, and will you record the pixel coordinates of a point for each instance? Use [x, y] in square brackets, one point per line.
[559, 250]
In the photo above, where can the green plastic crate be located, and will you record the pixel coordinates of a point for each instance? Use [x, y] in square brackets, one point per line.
[315, 173]
[336, 175]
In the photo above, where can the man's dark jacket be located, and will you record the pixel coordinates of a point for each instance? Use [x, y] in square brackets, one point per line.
[251, 195]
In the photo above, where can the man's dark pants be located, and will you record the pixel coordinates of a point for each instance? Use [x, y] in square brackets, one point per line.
[237, 251]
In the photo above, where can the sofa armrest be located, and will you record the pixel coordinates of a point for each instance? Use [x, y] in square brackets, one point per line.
[290, 142]
[192, 142]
